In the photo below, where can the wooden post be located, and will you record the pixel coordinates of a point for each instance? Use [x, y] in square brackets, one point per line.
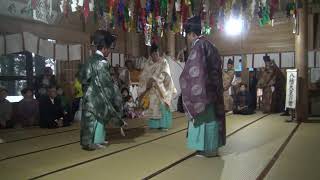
[301, 48]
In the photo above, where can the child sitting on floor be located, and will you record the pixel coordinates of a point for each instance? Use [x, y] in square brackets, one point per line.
[131, 109]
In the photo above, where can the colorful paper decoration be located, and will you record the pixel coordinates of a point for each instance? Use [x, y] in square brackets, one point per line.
[265, 19]
[148, 34]
[151, 16]
[86, 10]
[273, 6]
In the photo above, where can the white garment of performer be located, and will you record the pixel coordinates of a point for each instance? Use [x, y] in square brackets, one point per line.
[176, 69]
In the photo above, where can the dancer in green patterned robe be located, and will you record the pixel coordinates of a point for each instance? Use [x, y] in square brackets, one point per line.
[102, 102]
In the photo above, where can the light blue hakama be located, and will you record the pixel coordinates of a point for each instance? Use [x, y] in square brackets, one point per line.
[100, 134]
[204, 137]
[166, 120]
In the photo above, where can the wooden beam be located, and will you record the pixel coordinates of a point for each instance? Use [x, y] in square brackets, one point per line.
[46, 31]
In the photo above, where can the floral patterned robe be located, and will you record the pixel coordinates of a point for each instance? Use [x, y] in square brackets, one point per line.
[102, 100]
[163, 89]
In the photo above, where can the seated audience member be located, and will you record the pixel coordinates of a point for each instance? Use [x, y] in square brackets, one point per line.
[125, 94]
[131, 109]
[44, 81]
[242, 101]
[78, 93]
[5, 108]
[51, 110]
[27, 109]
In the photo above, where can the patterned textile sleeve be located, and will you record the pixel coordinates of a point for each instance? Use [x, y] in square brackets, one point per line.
[84, 76]
[110, 92]
[193, 82]
[165, 87]
[159, 83]
[101, 96]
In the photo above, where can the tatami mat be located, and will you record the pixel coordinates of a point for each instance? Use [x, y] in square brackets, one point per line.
[137, 162]
[143, 160]
[32, 165]
[301, 158]
[17, 134]
[243, 158]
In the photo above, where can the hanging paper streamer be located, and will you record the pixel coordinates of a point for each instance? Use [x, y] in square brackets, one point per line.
[235, 12]
[159, 25]
[131, 15]
[184, 11]
[291, 7]
[148, 7]
[273, 6]
[163, 8]
[220, 24]
[212, 20]
[156, 8]
[191, 4]
[134, 15]
[251, 10]
[34, 4]
[204, 12]
[120, 13]
[206, 29]
[148, 34]
[104, 21]
[141, 21]
[126, 20]
[86, 10]
[244, 4]
[221, 3]
[178, 5]
[265, 19]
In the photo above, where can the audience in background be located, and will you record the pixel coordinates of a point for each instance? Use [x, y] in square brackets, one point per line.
[131, 108]
[228, 77]
[125, 94]
[43, 82]
[78, 93]
[272, 84]
[5, 108]
[253, 87]
[242, 101]
[27, 109]
[51, 110]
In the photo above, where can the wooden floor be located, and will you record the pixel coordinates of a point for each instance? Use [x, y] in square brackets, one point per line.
[258, 146]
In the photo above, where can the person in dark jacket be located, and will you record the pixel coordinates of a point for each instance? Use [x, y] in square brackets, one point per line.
[242, 101]
[42, 82]
[51, 111]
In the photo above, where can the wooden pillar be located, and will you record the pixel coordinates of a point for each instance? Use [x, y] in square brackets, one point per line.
[301, 49]
[245, 70]
[171, 44]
